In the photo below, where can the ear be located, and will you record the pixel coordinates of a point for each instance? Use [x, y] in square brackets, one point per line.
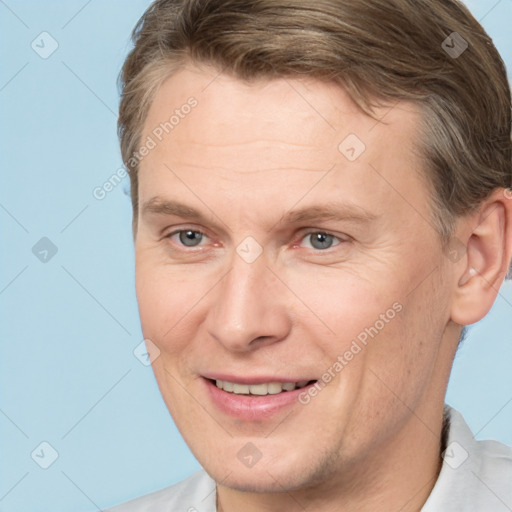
[488, 240]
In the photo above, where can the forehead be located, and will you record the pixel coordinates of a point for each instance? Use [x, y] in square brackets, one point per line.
[306, 112]
[275, 135]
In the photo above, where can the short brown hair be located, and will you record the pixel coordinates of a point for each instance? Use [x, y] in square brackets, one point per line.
[378, 50]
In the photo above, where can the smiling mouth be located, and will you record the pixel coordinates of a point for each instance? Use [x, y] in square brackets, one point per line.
[270, 388]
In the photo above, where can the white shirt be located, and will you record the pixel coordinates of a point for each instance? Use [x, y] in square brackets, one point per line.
[476, 476]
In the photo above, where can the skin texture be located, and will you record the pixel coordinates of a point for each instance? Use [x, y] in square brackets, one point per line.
[245, 156]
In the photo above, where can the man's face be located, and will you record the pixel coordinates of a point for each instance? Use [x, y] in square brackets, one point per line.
[265, 287]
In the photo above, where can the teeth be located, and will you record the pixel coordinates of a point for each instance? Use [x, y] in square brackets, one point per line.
[255, 389]
[271, 388]
[241, 389]
[227, 386]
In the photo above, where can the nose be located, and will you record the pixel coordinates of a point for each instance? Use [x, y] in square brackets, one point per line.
[250, 308]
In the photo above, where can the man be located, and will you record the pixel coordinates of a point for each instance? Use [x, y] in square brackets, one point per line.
[321, 204]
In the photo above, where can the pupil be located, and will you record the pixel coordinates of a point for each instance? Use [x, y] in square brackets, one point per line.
[321, 241]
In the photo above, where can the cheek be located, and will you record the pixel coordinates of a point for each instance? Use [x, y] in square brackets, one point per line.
[402, 359]
[165, 298]
[344, 302]
[376, 324]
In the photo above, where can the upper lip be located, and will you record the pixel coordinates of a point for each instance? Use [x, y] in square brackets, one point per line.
[257, 379]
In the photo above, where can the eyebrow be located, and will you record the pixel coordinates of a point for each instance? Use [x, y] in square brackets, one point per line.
[159, 206]
[328, 212]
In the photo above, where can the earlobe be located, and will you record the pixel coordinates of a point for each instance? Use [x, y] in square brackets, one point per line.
[489, 248]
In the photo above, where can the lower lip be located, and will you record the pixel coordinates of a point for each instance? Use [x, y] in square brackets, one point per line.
[252, 407]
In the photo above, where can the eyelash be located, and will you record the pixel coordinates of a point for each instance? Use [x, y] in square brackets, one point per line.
[304, 235]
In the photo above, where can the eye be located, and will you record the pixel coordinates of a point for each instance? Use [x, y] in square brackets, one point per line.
[321, 240]
[188, 237]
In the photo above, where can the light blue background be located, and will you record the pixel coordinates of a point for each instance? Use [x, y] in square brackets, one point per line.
[68, 375]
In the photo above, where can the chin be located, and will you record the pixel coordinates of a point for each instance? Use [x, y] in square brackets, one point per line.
[262, 483]
[269, 478]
